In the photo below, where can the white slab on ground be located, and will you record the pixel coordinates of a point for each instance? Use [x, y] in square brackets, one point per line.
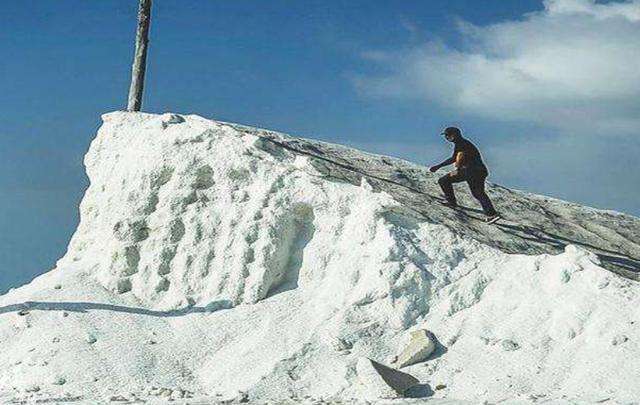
[380, 381]
[420, 347]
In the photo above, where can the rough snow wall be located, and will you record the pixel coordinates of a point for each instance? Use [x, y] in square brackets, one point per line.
[184, 210]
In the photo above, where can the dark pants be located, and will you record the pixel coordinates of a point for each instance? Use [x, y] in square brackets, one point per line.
[475, 179]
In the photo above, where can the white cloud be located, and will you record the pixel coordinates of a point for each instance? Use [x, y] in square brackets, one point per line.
[629, 9]
[574, 65]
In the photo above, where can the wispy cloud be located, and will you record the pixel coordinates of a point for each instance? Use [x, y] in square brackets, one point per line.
[574, 66]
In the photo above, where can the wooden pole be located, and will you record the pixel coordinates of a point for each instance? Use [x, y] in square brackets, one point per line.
[140, 56]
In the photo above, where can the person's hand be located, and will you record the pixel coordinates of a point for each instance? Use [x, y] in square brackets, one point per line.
[434, 169]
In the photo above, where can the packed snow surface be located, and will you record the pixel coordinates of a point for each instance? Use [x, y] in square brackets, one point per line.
[219, 261]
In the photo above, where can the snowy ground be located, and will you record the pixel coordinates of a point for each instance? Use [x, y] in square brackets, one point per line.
[216, 262]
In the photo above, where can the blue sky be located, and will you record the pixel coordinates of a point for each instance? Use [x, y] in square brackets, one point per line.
[547, 90]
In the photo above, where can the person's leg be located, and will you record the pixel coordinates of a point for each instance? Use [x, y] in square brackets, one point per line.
[446, 183]
[476, 184]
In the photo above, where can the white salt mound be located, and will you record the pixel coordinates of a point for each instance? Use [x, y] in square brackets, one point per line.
[218, 261]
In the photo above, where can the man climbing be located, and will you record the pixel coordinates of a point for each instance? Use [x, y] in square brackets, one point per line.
[469, 168]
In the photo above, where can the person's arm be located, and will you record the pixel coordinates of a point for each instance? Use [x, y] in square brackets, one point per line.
[447, 162]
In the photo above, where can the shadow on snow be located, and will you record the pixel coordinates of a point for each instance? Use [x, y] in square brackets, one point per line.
[83, 307]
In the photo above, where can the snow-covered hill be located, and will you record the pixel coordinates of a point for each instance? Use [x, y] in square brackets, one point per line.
[213, 258]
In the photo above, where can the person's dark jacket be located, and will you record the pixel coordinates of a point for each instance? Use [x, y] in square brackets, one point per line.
[471, 158]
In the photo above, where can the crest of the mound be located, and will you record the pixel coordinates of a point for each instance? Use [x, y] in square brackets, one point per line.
[184, 210]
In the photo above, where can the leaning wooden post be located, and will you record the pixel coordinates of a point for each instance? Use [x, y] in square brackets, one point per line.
[140, 56]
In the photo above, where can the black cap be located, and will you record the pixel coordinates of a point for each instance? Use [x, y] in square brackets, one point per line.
[453, 131]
